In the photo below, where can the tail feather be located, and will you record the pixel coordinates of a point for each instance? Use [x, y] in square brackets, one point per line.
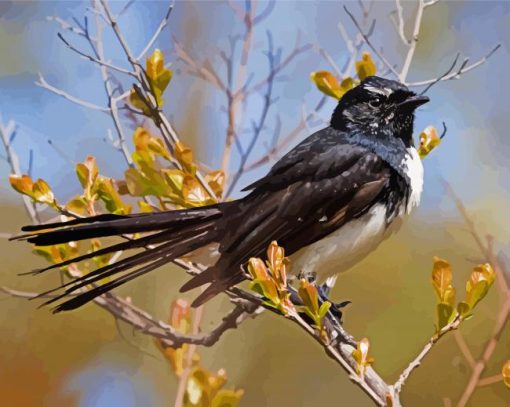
[89, 295]
[127, 224]
[177, 233]
[130, 244]
[159, 255]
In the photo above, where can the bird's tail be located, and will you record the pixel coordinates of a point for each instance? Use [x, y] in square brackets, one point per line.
[173, 234]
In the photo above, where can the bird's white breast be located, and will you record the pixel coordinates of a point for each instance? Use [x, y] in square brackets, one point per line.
[349, 244]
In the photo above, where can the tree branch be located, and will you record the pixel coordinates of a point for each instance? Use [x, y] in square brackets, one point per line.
[93, 59]
[456, 75]
[416, 362]
[7, 134]
[158, 31]
[370, 45]
[169, 135]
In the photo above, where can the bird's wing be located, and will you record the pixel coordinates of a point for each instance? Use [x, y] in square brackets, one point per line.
[298, 205]
[324, 154]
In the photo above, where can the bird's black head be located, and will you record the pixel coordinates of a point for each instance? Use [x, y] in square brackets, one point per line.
[378, 108]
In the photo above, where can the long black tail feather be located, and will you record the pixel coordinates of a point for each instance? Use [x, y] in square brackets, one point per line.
[177, 233]
[159, 255]
[100, 226]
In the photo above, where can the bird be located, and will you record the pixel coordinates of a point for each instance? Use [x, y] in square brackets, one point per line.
[331, 200]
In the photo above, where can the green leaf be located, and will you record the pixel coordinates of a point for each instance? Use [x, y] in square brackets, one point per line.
[445, 313]
[108, 194]
[463, 308]
[323, 310]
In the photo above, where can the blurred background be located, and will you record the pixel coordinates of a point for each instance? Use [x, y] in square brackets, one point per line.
[85, 358]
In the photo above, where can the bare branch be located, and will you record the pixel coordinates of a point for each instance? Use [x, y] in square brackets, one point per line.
[112, 101]
[298, 49]
[7, 135]
[277, 148]
[414, 41]
[369, 43]
[93, 59]
[400, 22]
[158, 31]
[464, 348]
[203, 71]
[487, 381]
[443, 75]
[144, 90]
[464, 69]
[45, 85]
[125, 311]
[257, 128]
[425, 351]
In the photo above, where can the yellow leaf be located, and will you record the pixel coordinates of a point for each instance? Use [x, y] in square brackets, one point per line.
[180, 315]
[429, 140]
[42, 192]
[185, 156]
[227, 398]
[108, 194]
[159, 76]
[87, 173]
[366, 66]
[327, 83]
[192, 191]
[39, 191]
[155, 64]
[278, 264]
[442, 281]
[478, 285]
[175, 179]
[22, 184]
[506, 373]
[360, 355]
[137, 102]
[309, 295]
[216, 180]
[257, 269]
[145, 207]
[77, 205]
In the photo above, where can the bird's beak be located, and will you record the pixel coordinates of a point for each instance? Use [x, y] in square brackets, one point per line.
[413, 102]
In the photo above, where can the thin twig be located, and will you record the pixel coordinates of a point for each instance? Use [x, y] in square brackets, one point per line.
[464, 349]
[425, 351]
[112, 101]
[414, 40]
[257, 128]
[144, 90]
[44, 84]
[93, 59]
[158, 31]
[369, 43]
[457, 74]
[7, 135]
[487, 381]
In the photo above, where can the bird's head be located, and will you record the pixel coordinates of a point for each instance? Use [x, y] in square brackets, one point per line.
[378, 107]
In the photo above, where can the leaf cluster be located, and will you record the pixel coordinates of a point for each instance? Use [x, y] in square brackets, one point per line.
[203, 388]
[477, 286]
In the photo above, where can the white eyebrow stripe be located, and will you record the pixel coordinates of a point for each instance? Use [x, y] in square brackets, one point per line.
[384, 91]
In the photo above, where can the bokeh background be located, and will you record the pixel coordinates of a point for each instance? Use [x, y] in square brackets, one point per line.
[84, 358]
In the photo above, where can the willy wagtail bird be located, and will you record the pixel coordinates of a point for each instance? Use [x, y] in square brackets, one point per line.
[331, 200]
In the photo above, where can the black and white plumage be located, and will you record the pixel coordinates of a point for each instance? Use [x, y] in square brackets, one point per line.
[333, 198]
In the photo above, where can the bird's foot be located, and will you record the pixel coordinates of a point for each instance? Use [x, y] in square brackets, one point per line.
[324, 291]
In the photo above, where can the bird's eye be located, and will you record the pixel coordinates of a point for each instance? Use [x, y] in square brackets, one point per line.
[375, 103]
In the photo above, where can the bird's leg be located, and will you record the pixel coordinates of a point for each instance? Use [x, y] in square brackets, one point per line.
[324, 290]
